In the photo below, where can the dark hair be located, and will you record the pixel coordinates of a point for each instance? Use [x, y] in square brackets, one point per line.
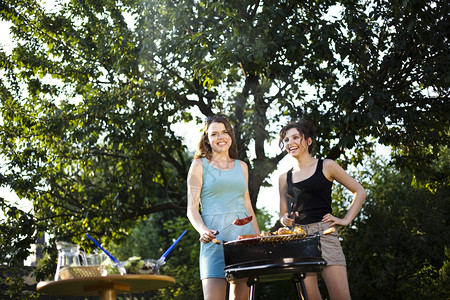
[304, 127]
[204, 148]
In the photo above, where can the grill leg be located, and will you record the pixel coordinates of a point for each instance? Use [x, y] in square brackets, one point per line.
[300, 286]
[251, 282]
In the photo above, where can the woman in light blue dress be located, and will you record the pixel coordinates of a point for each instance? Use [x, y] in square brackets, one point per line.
[217, 195]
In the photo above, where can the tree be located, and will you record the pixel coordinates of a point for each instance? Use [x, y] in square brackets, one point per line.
[88, 97]
[398, 247]
[14, 249]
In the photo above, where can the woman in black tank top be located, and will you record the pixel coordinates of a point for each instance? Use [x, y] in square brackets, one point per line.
[312, 195]
[307, 187]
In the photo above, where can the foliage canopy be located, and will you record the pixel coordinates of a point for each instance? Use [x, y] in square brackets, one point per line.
[89, 91]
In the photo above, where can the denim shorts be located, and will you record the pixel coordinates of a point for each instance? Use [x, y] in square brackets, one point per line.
[331, 246]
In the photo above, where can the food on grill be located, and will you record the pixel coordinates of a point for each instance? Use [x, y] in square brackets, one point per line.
[284, 230]
[266, 233]
[299, 230]
[247, 236]
[283, 234]
[243, 221]
[280, 231]
[287, 230]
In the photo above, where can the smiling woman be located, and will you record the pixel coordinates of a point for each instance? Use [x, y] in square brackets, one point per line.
[217, 130]
[218, 184]
[220, 141]
[307, 189]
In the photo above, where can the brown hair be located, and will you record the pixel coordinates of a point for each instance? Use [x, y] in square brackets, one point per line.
[304, 127]
[204, 148]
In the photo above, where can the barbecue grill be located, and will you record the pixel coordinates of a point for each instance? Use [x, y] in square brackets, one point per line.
[271, 258]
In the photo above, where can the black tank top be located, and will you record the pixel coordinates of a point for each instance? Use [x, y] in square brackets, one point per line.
[312, 196]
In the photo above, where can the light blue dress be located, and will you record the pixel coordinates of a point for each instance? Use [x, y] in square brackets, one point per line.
[222, 202]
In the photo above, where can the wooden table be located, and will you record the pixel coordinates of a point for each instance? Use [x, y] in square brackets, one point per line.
[105, 286]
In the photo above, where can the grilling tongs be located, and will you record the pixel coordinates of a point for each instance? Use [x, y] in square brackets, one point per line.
[238, 222]
[293, 205]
